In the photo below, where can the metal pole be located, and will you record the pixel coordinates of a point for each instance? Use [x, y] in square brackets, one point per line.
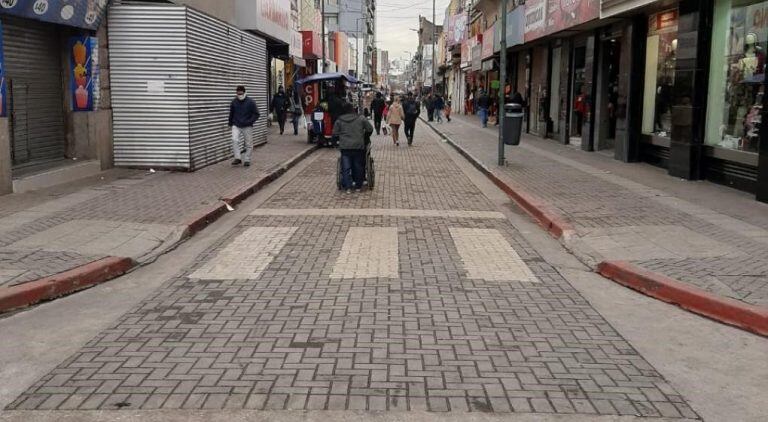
[502, 78]
[434, 41]
[322, 29]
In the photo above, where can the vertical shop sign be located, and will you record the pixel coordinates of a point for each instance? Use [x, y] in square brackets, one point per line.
[3, 84]
[84, 72]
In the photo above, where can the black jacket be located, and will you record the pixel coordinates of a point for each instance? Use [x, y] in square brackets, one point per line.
[279, 104]
[243, 113]
[411, 109]
[377, 105]
[484, 101]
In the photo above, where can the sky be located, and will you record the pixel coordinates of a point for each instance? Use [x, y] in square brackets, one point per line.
[394, 18]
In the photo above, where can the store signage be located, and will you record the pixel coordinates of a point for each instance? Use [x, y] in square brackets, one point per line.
[78, 13]
[559, 15]
[515, 27]
[466, 56]
[341, 51]
[269, 17]
[3, 84]
[297, 43]
[311, 45]
[610, 8]
[488, 42]
[457, 29]
[83, 72]
[662, 22]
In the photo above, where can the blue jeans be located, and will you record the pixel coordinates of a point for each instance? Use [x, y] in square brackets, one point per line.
[483, 113]
[352, 168]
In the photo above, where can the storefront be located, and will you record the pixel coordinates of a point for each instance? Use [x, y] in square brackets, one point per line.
[734, 134]
[50, 92]
[171, 101]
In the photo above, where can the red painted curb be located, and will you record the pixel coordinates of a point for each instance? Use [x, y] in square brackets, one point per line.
[729, 311]
[203, 218]
[64, 283]
[556, 225]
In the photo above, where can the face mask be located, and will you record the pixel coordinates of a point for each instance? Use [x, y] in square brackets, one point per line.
[241, 97]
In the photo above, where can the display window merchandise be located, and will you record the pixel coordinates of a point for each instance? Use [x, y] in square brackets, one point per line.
[736, 87]
[660, 62]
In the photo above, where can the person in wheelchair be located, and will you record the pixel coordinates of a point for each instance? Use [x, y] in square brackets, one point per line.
[354, 132]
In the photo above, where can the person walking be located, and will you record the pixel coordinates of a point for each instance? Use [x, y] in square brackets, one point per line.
[279, 108]
[429, 103]
[412, 111]
[243, 113]
[352, 131]
[447, 110]
[439, 106]
[395, 119]
[377, 105]
[296, 110]
[483, 103]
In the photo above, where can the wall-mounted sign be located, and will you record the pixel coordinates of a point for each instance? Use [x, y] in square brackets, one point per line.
[84, 72]
[544, 17]
[3, 84]
[457, 29]
[78, 13]
[269, 17]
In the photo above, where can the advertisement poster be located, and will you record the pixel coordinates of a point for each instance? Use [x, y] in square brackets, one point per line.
[3, 84]
[457, 29]
[84, 72]
[544, 17]
[78, 13]
[465, 54]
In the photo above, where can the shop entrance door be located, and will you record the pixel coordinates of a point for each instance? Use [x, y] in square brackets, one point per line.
[579, 96]
[608, 95]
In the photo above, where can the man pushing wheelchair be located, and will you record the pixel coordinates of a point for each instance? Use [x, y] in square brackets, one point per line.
[354, 135]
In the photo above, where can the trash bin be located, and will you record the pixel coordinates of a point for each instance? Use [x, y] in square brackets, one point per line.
[513, 123]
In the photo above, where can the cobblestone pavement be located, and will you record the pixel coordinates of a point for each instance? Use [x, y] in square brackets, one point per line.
[617, 219]
[370, 301]
[131, 214]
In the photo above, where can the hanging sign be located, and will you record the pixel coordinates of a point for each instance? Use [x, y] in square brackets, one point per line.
[78, 13]
[84, 72]
[3, 84]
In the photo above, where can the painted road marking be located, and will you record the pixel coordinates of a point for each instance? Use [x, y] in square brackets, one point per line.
[248, 255]
[488, 256]
[368, 252]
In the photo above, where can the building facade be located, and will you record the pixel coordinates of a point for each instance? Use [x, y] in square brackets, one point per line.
[678, 84]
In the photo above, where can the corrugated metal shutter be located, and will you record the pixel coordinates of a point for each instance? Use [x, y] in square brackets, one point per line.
[148, 76]
[33, 67]
[220, 58]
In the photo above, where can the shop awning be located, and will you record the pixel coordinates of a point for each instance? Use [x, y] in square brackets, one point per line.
[86, 14]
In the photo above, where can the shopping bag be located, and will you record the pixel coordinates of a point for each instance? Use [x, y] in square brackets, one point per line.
[385, 129]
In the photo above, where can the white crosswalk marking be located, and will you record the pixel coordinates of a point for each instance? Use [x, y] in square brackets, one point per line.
[248, 255]
[368, 252]
[487, 255]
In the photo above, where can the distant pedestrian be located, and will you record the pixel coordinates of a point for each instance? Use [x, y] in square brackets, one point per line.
[429, 104]
[279, 108]
[352, 131]
[483, 104]
[412, 110]
[439, 106]
[447, 110]
[378, 105]
[395, 119]
[296, 109]
[243, 113]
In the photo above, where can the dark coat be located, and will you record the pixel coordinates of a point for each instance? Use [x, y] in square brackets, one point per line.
[279, 103]
[377, 105]
[243, 113]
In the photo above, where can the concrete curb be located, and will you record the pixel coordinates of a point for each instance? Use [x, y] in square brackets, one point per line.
[729, 311]
[106, 269]
[555, 225]
[61, 284]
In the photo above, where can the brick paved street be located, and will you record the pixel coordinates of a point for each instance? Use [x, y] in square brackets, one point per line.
[131, 213]
[616, 218]
[417, 296]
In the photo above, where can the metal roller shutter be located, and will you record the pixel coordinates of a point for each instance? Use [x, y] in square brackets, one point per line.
[33, 68]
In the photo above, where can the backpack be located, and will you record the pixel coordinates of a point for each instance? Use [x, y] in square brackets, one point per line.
[411, 109]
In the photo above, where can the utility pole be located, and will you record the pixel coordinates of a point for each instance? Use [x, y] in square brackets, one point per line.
[434, 41]
[322, 29]
[502, 78]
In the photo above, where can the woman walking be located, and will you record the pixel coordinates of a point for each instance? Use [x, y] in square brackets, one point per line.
[395, 119]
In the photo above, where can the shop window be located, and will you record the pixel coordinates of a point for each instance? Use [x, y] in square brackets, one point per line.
[660, 60]
[737, 73]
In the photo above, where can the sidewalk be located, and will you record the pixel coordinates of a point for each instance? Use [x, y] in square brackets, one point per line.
[696, 244]
[61, 239]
